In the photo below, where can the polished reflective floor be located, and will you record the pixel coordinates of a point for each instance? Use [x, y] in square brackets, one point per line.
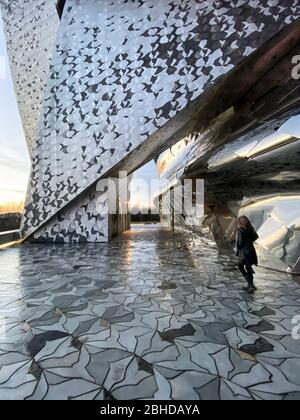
[152, 315]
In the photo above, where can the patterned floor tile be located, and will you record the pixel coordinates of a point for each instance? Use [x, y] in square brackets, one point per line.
[152, 315]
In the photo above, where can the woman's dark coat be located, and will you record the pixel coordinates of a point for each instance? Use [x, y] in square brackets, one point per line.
[245, 248]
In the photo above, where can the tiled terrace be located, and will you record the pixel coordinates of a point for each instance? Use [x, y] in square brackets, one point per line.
[152, 314]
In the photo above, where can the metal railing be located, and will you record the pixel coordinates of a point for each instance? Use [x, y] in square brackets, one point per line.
[9, 236]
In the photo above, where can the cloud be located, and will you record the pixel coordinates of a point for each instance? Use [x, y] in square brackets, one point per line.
[2, 67]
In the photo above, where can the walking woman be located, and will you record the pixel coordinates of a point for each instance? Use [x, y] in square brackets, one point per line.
[246, 251]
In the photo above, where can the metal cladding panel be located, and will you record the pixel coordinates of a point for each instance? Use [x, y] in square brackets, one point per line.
[279, 236]
[265, 189]
[86, 221]
[30, 30]
[121, 71]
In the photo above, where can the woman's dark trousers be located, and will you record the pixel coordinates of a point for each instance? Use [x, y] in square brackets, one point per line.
[247, 272]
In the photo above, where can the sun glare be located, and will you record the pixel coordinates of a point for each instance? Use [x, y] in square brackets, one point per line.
[11, 207]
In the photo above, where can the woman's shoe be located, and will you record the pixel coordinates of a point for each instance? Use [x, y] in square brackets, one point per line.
[251, 290]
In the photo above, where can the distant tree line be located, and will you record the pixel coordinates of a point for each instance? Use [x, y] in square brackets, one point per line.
[143, 217]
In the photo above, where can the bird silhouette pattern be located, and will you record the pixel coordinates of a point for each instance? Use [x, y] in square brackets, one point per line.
[121, 70]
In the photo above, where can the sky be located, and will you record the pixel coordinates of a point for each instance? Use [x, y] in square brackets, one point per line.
[14, 158]
[142, 194]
